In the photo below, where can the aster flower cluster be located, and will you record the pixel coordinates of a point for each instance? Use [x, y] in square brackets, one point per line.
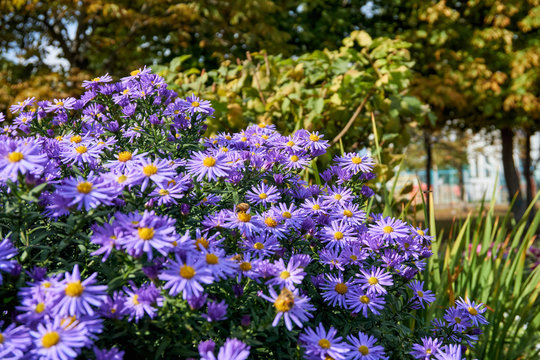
[136, 235]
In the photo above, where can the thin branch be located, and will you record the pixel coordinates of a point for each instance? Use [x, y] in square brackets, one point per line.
[353, 117]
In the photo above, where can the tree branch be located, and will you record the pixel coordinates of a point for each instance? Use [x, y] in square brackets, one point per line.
[353, 117]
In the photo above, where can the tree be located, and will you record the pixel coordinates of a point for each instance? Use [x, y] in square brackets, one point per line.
[475, 63]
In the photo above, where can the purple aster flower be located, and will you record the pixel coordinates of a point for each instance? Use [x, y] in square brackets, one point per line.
[332, 258]
[139, 301]
[263, 194]
[186, 276]
[243, 221]
[220, 265]
[363, 348]
[349, 213]
[107, 237]
[171, 191]
[126, 160]
[359, 301]
[320, 344]
[335, 289]
[7, 252]
[338, 235]
[209, 166]
[338, 195]
[81, 154]
[113, 307]
[314, 207]
[474, 310]
[79, 297]
[260, 246]
[61, 104]
[291, 306]
[112, 354]
[52, 340]
[233, 349]
[427, 350]
[14, 341]
[216, 311]
[353, 255]
[389, 229]
[146, 232]
[423, 297]
[87, 193]
[21, 105]
[158, 171]
[296, 161]
[458, 318]
[20, 157]
[449, 352]
[291, 214]
[94, 83]
[194, 105]
[355, 162]
[287, 276]
[375, 280]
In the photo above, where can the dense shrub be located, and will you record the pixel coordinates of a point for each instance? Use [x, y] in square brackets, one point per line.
[125, 233]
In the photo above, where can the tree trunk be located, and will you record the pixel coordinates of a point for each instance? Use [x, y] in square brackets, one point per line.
[429, 165]
[461, 183]
[510, 173]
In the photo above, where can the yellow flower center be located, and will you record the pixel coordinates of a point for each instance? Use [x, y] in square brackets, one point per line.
[195, 104]
[243, 216]
[373, 280]
[228, 137]
[201, 241]
[135, 72]
[74, 289]
[146, 233]
[15, 156]
[59, 103]
[1, 338]
[347, 213]
[245, 266]
[50, 339]
[356, 160]
[388, 229]
[341, 288]
[338, 235]
[421, 232]
[338, 197]
[187, 272]
[325, 344]
[285, 274]
[84, 187]
[262, 125]
[286, 215]
[258, 246]
[294, 158]
[263, 196]
[364, 299]
[81, 149]
[76, 139]
[316, 207]
[163, 192]
[265, 137]
[270, 222]
[124, 156]
[290, 143]
[428, 351]
[46, 285]
[150, 170]
[313, 137]
[363, 349]
[406, 245]
[457, 320]
[209, 161]
[472, 311]
[121, 179]
[243, 139]
[135, 299]
[353, 257]
[212, 259]
[420, 294]
[40, 307]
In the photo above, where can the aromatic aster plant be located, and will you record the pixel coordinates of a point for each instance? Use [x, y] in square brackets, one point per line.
[124, 233]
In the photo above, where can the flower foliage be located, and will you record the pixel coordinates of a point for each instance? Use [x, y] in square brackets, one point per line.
[124, 232]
